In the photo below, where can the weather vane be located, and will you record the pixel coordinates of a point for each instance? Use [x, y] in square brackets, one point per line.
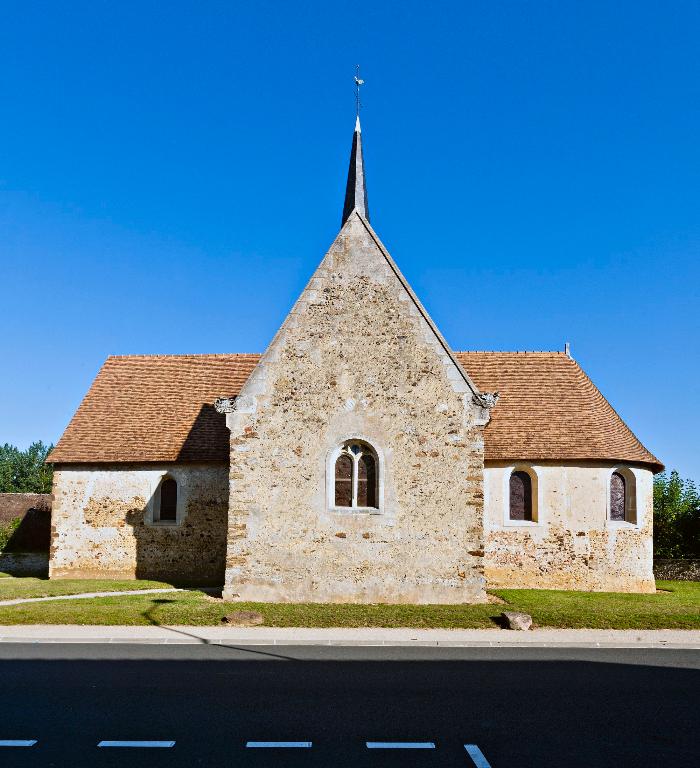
[358, 83]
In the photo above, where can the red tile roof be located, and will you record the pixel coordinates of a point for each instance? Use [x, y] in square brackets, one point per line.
[159, 408]
[155, 408]
[549, 410]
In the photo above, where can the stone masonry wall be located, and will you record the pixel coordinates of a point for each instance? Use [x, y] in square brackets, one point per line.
[356, 359]
[681, 570]
[34, 512]
[573, 545]
[14, 505]
[101, 524]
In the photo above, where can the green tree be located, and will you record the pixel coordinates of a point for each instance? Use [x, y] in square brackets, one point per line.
[25, 471]
[676, 517]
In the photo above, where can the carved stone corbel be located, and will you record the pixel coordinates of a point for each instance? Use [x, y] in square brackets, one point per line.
[486, 399]
[225, 404]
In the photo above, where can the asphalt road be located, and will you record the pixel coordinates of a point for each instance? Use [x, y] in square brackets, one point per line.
[520, 707]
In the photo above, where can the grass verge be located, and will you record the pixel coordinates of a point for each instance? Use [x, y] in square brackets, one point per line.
[677, 608]
[12, 587]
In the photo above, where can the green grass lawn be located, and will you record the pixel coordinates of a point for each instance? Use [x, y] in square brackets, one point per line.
[12, 587]
[678, 608]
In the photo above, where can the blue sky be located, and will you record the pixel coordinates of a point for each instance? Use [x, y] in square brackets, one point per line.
[171, 174]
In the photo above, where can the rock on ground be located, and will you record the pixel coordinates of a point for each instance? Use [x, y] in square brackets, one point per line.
[517, 620]
[243, 619]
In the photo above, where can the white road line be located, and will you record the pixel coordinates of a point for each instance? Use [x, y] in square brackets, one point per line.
[477, 756]
[278, 744]
[400, 745]
[136, 744]
[17, 742]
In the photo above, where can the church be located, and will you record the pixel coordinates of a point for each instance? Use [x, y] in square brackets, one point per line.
[358, 459]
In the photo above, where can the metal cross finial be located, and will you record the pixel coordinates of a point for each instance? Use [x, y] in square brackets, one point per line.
[358, 83]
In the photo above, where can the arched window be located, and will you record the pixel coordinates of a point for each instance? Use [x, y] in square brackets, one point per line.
[520, 496]
[167, 502]
[356, 477]
[618, 497]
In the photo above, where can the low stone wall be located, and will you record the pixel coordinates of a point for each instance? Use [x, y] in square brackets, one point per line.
[677, 570]
[18, 504]
[34, 511]
[25, 563]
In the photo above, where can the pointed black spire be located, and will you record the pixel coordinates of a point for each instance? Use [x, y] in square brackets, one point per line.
[356, 189]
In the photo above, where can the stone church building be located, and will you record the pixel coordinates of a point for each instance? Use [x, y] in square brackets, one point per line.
[359, 459]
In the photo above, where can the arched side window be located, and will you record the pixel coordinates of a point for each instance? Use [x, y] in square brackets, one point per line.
[622, 496]
[521, 507]
[618, 497]
[356, 476]
[166, 511]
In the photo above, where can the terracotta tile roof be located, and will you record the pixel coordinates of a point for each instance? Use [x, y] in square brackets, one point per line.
[148, 408]
[549, 410]
[155, 408]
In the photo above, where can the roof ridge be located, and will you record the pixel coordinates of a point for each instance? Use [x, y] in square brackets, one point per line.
[512, 352]
[259, 354]
[186, 354]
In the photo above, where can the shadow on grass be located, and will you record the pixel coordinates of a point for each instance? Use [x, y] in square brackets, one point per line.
[150, 616]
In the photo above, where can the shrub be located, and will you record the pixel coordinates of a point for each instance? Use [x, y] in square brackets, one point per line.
[25, 471]
[676, 517]
[7, 530]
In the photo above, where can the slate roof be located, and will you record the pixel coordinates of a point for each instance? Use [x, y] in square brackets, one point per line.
[159, 408]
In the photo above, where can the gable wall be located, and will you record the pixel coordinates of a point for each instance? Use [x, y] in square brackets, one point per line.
[355, 358]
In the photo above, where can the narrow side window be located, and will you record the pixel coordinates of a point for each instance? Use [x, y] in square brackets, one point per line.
[520, 496]
[167, 508]
[618, 497]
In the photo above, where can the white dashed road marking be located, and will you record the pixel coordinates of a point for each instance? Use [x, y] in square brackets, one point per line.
[136, 744]
[477, 756]
[278, 744]
[400, 745]
[17, 742]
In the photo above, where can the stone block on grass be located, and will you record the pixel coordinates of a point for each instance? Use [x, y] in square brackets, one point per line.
[243, 619]
[516, 620]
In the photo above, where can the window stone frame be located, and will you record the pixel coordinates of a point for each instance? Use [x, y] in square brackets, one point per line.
[331, 458]
[631, 511]
[536, 506]
[152, 508]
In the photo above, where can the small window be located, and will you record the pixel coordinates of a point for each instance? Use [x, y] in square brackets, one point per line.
[356, 477]
[520, 496]
[618, 497]
[167, 502]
